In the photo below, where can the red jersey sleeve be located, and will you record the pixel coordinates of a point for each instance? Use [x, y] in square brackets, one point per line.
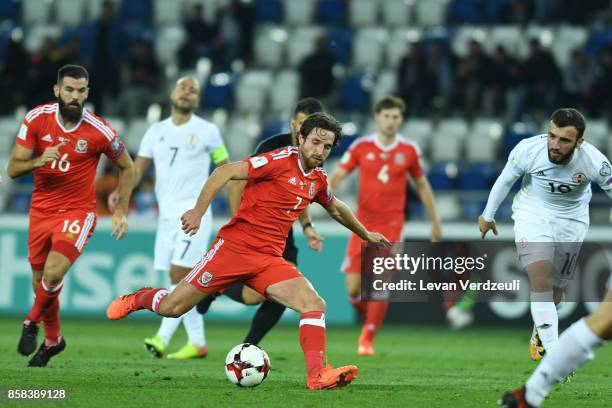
[350, 158]
[324, 196]
[28, 134]
[112, 147]
[415, 170]
[265, 166]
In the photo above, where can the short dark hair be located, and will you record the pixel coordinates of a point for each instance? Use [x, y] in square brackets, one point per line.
[322, 120]
[569, 117]
[72, 71]
[308, 106]
[390, 102]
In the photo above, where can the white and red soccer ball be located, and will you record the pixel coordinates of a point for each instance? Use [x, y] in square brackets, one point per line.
[246, 365]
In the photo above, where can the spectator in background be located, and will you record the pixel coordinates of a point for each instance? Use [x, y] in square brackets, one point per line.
[143, 81]
[410, 80]
[542, 80]
[104, 51]
[438, 78]
[502, 81]
[517, 12]
[470, 73]
[14, 71]
[201, 38]
[42, 71]
[578, 81]
[316, 73]
[229, 37]
[246, 21]
[603, 91]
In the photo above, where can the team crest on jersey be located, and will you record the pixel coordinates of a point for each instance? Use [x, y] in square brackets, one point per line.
[115, 144]
[311, 191]
[370, 156]
[579, 178]
[205, 278]
[400, 159]
[81, 146]
[192, 141]
[605, 170]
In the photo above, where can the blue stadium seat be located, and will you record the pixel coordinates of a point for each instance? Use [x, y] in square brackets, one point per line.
[268, 11]
[471, 209]
[466, 11]
[477, 176]
[332, 12]
[272, 128]
[494, 8]
[345, 142]
[598, 40]
[219, 91]
[140, 32]
[136, 11]
[9, 10]
[355, 93]
[340, 43]
[517, 132]
[443, 176]
[19, 202]
[220, 205]
[416, 210]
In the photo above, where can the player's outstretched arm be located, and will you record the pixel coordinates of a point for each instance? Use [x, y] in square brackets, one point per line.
[341, 212]
[21, 162]
[336, 178]
[125, 187]
[217, 180]
[427, 198]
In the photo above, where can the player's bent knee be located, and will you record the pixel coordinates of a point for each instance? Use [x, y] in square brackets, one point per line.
[251, 297]
[315, 303]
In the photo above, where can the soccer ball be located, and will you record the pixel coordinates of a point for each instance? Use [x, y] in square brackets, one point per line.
[246, 365]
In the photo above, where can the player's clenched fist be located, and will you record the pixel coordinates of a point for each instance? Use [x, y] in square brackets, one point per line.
[485, 226]
[377, 238]
[50, 154]
[191, 221]
[120, 224]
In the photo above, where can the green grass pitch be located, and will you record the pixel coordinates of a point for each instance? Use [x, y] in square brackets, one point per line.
[105, 365]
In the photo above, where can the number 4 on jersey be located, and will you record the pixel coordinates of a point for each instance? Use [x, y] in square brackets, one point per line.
[383, 174]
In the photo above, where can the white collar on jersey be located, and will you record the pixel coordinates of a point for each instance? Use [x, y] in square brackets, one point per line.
[383, 147]
[59, 122]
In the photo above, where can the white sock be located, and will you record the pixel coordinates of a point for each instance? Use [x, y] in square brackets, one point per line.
[194, 325]
[169, 325]
[545, 318]
[575, 347]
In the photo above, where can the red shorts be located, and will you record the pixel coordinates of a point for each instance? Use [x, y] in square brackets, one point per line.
[66, 233]
[352, 259]
[228, 261]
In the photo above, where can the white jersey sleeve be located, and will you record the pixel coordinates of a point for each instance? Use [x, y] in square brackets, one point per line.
[512, 171]
[146, 144]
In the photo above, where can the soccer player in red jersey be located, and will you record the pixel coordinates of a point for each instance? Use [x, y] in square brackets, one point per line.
[61, 143]
[280, 184]
[385, 160]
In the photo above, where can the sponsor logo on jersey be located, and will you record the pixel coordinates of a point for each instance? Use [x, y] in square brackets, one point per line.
[370, 156]
[311, 191]
[205, 278]
[23, 130]
[258, 161]
[400, 159]
[293, 181]
[605, 170]
[81, 146]
[579, 178]
[47, 138]
[541, 173]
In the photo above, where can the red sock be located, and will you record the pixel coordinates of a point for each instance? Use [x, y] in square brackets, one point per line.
[360, 306]
[45, 295]
[375, 316]
[150, 298]
[51, 321]
[312, 340]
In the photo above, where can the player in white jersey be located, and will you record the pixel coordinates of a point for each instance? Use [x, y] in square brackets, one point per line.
[550, 212]
[181, 147]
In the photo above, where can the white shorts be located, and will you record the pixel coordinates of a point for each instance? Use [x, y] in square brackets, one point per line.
[174, 247]
[557, 240]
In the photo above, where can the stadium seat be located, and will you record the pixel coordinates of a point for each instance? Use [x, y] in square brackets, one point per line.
[508, 36]
[36, 34]
[448, 206]
[517, 132]
[396, 12]
[339, 44]
[419, 131]
[493, 9]
[477, 176]
[598, 40]
[168, 40]
[363, 13]
[69, 12]
[431, 12]
[242, 135]
[386, 84]
[466, 11]
[269, 47]
[136, 11]
[219, 91]
[9, 126]
[345, 142]
[167, 12]
[482, 142]
[268, 11]
[397, 45]
[134, 133]
[472, 209]
[118, 124]
[272, 128]
[331, 12]
[443, 176]
[9, 10]
[464, 34]
[446, 147]
[568, 38]
[19, 202]
[544, 34]
[35, 11]
[453, 127]
[355, 93]
[301, 43]
[368, 48]
[140, 32]
[284, 93]
[299, 12]
[597, 133]
[252, 91]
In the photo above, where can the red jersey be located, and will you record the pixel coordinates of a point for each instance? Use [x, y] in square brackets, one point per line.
[383, 176]
[277, 192]
[67, 183]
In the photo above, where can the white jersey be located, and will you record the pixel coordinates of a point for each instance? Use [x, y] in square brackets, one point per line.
[563, 191]
[182, 157]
